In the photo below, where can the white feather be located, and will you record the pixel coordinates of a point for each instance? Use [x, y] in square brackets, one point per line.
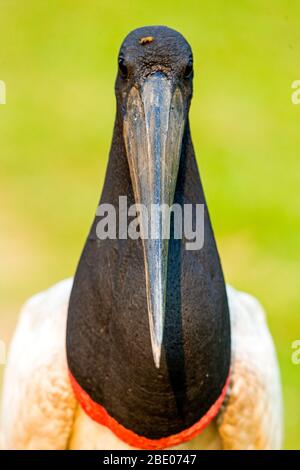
[39, 410]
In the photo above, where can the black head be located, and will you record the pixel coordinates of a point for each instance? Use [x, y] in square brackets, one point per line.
[148, 50]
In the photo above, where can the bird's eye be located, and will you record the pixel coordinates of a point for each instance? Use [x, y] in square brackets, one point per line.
[188, 69]
[122, 67]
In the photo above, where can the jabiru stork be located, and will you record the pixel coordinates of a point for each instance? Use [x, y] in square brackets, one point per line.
[146, 348]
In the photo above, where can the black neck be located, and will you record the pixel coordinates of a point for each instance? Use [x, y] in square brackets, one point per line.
[108, 342]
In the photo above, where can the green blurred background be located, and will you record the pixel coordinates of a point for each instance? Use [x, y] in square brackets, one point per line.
[58, 59]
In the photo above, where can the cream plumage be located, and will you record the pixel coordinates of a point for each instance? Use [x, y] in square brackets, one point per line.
[39, 410]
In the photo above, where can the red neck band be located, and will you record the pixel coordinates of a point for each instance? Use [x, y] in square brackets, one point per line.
[100, 415]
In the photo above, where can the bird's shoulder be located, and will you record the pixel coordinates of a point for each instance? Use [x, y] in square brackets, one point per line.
[252, 415]
[36, 390]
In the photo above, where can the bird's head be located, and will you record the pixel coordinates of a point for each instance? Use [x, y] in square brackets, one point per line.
[154, 89]
[155, 51]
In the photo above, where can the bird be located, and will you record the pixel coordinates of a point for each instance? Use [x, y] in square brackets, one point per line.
[146, 347]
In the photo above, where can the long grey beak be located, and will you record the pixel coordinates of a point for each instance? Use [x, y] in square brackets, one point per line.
[153, 132]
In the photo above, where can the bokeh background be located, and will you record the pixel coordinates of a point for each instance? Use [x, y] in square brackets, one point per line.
[58, 59]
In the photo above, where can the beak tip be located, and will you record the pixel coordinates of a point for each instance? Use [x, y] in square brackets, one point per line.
[156, 350]
[156, 336]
